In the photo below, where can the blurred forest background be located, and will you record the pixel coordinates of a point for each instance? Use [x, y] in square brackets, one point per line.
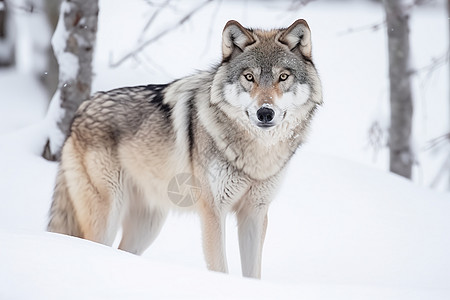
[385, 67]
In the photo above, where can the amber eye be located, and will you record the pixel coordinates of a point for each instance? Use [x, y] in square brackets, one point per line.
[283, 76]
[249, 77]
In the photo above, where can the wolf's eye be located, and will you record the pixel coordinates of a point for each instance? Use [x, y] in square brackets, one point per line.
[283, 76]
[249, 77]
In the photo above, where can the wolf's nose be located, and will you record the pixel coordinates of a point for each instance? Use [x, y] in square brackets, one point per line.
[265, 114]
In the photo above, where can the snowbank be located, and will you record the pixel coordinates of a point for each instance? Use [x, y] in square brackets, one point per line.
[337, 230]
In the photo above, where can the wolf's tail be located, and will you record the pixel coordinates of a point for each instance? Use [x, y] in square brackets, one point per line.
[62, 213]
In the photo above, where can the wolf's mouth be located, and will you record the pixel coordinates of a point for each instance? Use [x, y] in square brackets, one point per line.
[265, 125]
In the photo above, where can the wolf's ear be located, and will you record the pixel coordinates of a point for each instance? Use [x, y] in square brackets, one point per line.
[298, 37]
[234, 39]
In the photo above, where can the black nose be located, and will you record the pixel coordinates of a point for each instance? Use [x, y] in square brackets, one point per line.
[265, 115]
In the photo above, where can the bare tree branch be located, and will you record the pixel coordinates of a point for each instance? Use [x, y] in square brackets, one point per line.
[151, 3]
[153, 18]
[150, 63]
[435, 64]
[28, 7]
[372, 27]
[437, 141]
[297, 4]
[441, 173]
[161, 34]
[377, 137]
[379, 25]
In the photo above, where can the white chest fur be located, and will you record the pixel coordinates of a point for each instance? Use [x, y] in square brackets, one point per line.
[227, 185]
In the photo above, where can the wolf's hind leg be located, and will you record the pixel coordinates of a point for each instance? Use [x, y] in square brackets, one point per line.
[141, 224]
[62, 215]
[94, 182]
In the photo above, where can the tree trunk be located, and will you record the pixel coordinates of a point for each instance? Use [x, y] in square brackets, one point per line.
[73, 43]
[7, 39]
[401, 156]
[50, 76]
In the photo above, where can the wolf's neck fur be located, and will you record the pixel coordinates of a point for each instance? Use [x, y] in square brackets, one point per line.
[256, 152]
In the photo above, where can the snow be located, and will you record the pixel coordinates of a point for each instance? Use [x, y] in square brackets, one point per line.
[62, 267]
[128, 276]
[346, 232]
[14, 97]
[339, 228]
[55, 113]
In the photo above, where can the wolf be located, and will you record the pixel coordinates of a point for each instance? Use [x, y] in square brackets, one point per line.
[233, 129]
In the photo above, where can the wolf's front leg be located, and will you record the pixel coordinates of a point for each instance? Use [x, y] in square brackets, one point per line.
[252, 225]
[213, 227]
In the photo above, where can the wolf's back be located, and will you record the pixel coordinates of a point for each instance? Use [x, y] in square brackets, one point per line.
[62, 213]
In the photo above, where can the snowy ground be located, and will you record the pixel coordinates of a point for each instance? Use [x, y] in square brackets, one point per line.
[339, 229]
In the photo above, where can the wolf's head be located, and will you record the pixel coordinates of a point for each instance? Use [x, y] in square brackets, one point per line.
[268, 76]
